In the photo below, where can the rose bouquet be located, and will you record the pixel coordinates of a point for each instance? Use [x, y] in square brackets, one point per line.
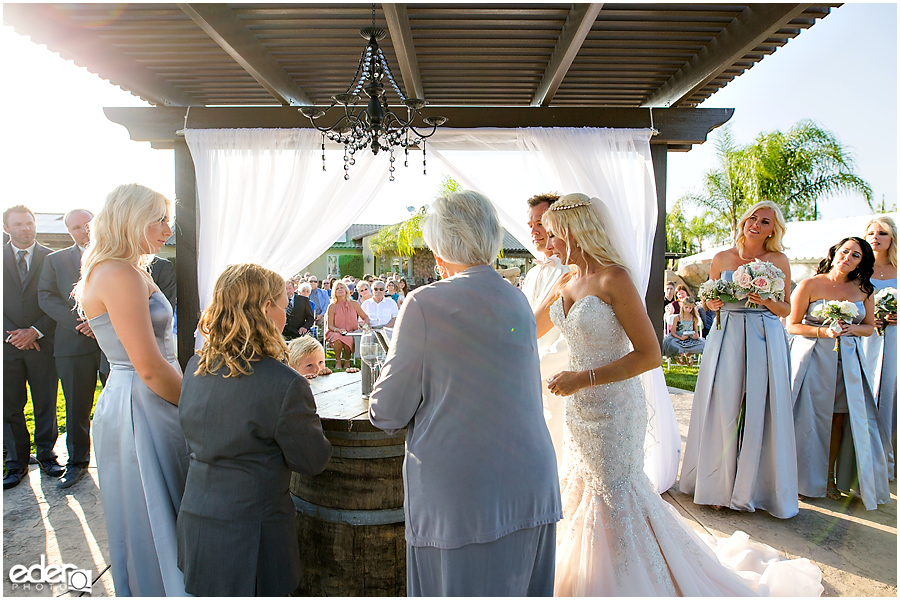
[885, 304]
[833, 312]
[717, 289]
[758, 277]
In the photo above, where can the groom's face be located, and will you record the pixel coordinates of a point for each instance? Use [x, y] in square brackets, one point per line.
[538, 233]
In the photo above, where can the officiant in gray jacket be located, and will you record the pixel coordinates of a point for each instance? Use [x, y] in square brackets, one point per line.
[482, 493]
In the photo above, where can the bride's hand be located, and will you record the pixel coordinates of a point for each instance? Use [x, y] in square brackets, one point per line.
[566, 383]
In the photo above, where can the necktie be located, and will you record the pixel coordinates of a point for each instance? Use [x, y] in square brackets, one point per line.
[290, 305]
[23, 265]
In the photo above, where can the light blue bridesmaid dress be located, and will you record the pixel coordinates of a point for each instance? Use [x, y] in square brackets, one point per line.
[740, 450]
[142, 462]
[822, 381]
[881, 357]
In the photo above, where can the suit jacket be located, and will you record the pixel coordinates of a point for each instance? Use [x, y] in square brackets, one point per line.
[62, 270]
[246, 435]
[301, 316]
[163, 273]
[20, 300]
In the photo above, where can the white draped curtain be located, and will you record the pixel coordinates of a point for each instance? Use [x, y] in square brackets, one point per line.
[261, 198]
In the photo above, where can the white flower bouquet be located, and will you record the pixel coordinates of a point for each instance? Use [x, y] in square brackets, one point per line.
[885, 304]
[833, 312]
[717, 289]
[758, 277]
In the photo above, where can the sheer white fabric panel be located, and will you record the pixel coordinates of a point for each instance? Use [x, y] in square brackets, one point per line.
[262, 197]
[509, 166]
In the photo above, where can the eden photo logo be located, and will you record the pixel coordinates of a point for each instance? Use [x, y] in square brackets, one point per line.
[56, 578]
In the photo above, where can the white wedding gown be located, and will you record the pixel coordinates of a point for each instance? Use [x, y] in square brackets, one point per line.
[618, 537]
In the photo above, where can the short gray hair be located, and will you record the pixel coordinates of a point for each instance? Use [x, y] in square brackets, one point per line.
[304, 288]
[463, 228]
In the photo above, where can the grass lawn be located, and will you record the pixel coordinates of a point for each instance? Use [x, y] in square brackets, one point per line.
[60, 411]
[681, 377]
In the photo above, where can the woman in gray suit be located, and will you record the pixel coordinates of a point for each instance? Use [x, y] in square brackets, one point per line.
[250, 420]
[482, 492]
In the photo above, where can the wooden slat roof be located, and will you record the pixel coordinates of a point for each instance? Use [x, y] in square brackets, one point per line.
[589, 55]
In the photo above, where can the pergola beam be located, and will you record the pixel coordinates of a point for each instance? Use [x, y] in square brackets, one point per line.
[401, 37]
[679, 127]
[89, 50]
[220, 23]
[756, 23]
[577, 27]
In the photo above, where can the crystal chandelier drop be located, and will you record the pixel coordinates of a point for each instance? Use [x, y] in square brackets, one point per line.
[377, 125]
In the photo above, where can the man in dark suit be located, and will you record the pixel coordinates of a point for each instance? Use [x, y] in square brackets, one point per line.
[163, 273]
[27, 352]
[75, 348]
[299, 314]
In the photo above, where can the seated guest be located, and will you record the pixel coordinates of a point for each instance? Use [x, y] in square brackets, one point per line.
[393, 292]
[307, 356]
[250, 420]
[482, 493]
[681, 294]
[683, 335]
[670, 294]
[363, 291]
[299, 313]
[382, 311]
[343, 317]
[707, 318]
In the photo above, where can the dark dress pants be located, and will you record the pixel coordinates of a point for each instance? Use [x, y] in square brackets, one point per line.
[78, 376]
[38, 371]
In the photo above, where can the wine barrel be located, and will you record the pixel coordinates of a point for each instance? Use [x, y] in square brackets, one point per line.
[350, 516]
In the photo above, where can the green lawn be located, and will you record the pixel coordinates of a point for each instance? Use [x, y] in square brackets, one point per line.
[681, 377]
[60, 411]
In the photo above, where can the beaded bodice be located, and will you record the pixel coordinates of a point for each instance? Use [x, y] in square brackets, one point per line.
[607, 422]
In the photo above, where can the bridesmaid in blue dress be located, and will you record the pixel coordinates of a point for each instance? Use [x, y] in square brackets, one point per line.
[740, 451]
[881, 350]
[142, 457]
[840, 440]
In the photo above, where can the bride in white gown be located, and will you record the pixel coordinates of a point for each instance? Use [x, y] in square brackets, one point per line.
[618, 537]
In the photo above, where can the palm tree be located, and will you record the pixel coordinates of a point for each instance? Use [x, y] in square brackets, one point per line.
[796, 168]
[725, 194]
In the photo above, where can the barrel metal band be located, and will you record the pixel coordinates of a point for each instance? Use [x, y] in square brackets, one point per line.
[367, 452]
[349, 517]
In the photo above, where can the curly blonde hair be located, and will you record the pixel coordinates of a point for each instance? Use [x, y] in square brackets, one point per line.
[572, 217]
[772, 244]
[119, 231]
[888, 225]
[235, 323]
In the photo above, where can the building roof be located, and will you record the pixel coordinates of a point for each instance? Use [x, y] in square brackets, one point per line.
[352, 238]
[450, 54]
[510, 243]
[807, 241]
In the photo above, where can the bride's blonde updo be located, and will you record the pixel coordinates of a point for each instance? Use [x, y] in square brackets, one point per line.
[573, 218]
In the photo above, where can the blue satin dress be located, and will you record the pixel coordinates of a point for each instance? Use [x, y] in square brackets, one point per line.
[740, 450]
[825, 382]
[142, 462]
[881, 356]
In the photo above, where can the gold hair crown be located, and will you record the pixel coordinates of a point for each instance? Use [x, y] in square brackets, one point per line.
[558, 206]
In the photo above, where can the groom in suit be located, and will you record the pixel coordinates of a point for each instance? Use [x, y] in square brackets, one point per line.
[75, 349]
[27, 352]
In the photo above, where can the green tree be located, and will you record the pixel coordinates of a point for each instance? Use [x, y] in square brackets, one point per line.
[724, 195]
[797, 168]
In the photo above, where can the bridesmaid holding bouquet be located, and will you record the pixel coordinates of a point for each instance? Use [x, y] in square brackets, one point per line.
[740, 451]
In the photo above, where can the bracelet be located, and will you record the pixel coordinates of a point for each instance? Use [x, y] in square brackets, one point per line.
[592, 378]
[817, 331]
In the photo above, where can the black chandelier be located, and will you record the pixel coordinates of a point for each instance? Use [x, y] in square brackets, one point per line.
[377, 125]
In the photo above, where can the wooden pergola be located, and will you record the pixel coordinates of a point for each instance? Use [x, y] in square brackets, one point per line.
[480, 65]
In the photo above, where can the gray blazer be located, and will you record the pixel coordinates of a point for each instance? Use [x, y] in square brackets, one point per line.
[463, 376]
[236, 527]
[62, 270]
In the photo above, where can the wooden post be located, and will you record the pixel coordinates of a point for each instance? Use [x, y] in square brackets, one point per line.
[654, 297]
[186, 251]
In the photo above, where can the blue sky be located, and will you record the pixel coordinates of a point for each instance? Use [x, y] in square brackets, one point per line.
[61, 152]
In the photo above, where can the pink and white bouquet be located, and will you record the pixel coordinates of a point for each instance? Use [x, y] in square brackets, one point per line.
[758, 277]
[885, 304]
[833, 312]
[717, 289]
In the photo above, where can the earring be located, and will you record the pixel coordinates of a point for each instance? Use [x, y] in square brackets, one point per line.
[438, 271]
